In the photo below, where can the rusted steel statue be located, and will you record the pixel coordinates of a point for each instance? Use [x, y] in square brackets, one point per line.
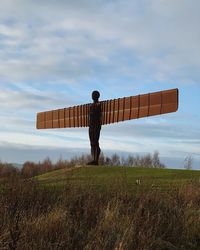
[95, 127]
[96, 114]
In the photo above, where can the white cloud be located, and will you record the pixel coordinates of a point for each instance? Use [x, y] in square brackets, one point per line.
[65, 40]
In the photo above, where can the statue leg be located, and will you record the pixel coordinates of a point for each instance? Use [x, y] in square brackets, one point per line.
[94, 134]
[92, 151]
[97, 148]
[97, 154]
[92, 145]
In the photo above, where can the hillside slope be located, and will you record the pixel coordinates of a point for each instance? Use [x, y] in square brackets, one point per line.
[106, 176]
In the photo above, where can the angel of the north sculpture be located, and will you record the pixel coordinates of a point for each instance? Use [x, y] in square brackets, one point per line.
[98, 113]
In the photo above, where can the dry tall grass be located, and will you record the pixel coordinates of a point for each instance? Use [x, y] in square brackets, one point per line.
[76, 217]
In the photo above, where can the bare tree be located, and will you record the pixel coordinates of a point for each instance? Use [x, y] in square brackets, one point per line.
[101, 159]
[188, 162]
[147, 161]
[129, 161]
[107, 161]
[115, 160]
[156, 160]
[123, 161]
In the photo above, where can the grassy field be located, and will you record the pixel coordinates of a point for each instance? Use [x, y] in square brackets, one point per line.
[102, 208]
[109, 177]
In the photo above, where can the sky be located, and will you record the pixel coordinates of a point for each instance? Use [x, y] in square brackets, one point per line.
[54, 53]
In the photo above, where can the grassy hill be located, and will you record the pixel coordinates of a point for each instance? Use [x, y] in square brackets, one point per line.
[105, 177]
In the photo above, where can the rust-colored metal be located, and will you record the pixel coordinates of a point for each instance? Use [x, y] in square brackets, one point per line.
[134, 107]
[62, 118]
[55, 119]
[113, 111]
[103, 108]
[127, 108]
[67, 117]
[121, 109]
[49, 119]
[144, 106]
[155, 104]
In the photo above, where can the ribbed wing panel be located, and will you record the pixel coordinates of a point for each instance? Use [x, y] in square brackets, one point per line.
[115, 110]
[71, 117]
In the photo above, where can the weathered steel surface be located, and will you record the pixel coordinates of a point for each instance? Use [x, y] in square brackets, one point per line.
[115, 110]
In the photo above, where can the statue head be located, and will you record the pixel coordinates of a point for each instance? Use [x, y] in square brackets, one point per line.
[95, 96]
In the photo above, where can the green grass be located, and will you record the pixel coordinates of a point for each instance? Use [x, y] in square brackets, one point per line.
[110, 177]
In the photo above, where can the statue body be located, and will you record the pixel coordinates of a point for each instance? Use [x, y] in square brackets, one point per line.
[95, 127]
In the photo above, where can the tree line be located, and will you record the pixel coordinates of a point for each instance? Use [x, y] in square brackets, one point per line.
[30, 169]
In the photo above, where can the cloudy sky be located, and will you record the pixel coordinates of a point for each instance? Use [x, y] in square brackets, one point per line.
[53, 53]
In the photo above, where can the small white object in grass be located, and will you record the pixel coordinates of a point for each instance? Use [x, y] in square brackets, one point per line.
[138, 182]
[78, 165]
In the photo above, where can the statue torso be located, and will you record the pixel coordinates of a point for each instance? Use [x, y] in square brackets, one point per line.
[95, 115]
